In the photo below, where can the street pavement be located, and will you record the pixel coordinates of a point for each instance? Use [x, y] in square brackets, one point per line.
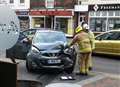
[104, 82]
[94, 79]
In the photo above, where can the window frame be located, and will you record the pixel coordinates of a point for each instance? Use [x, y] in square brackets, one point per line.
[11, 1]
[22, 3]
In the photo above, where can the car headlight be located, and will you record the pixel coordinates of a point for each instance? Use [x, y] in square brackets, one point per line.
[68, 50]
[35, 50]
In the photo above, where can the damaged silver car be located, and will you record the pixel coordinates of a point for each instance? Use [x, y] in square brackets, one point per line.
[49, 51]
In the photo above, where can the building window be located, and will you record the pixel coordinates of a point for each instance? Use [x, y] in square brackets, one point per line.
[38, 22]
[22, 1]
[61, 24]
[111, 13]
[11, 1]
[117, 13]
[104, 13]
[92, 13]
[49, 3]
[98, 24]
[98, 13]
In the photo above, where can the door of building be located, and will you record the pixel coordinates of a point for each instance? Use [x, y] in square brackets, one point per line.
[49, 22]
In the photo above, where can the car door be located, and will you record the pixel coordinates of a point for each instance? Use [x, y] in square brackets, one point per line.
[103, 44]
[29, 33]
[19, 50]
[116, 43]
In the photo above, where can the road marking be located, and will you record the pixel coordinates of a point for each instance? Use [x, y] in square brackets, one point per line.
[91, 80]
[117, 76]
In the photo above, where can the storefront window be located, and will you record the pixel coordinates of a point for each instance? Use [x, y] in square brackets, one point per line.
[113, 23]
[98, 24]
[38, 22]
[98, 13]
[104, 13]
[11, 1]
[22, 1]
[92, 13]
[111, 13]
[61, 24]
[117, 13]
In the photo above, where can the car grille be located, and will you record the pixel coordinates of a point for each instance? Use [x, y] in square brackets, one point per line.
[51, 54]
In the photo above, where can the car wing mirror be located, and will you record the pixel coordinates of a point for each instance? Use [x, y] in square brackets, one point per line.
[27, 41]
[100, 39]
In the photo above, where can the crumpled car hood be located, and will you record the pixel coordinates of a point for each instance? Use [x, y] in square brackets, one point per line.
[50, 47]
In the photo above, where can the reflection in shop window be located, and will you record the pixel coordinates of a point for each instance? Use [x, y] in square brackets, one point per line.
[22, 1]
[111, 13]
[98, 13]
[11, 1]
[61, 24]
[98, 24]
[91, 13]
[113, 23]
[117, 13]
[104, 13]
[39, 22]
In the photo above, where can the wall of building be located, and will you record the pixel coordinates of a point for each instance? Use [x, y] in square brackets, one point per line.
[16, 4]
[99, 1]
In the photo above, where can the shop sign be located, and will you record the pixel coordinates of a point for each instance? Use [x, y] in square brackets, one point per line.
[52, 13]
[22, 12]
[58, 4]
[104, 7]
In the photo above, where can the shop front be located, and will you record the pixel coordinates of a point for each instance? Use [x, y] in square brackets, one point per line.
[60, 20]
[82, 13]
[105, 17]
[23, 17]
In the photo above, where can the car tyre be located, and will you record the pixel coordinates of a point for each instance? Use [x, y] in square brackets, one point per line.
[70, 69]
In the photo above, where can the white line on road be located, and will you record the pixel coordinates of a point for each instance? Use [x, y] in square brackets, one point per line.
[117, 76]
[94, 79]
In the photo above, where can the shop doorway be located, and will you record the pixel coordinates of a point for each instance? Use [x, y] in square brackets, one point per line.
[81, 19]
[61, 24]
[49, 22]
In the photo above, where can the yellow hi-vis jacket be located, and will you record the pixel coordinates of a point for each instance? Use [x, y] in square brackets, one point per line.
[83, 41]
[92, 39]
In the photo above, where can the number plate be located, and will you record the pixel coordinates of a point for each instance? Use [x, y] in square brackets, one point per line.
[54, 61]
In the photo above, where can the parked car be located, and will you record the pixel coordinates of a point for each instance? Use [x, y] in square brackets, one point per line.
[108, 43]
[20, 49]
[48, 52]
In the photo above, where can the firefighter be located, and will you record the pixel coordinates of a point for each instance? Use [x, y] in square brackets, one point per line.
[83, 42]
[85, 27]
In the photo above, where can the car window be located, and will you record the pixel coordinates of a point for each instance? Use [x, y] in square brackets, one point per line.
[118, 38]
[103, 36]
[49, 37]
[29, 32]
[21, 37]
[109, 36]
[114, 36]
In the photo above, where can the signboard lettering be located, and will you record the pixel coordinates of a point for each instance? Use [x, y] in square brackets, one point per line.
[105, 7]
[52, 13]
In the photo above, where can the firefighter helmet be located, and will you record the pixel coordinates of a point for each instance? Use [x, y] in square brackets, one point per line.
[78, 29]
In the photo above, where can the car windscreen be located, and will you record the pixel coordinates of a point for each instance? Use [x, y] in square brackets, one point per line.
[49, 37]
